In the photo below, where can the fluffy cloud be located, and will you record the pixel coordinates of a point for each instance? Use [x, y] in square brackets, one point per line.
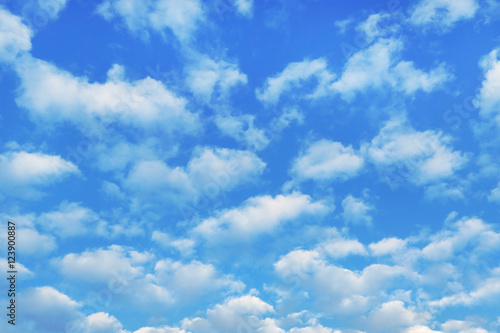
[103, 265]
[294, 75]
[194, 279]
[70, 219]
[207, 77]
[422, 157]
[185, 246]
[242, 129]
[15, 37]
[158, 15]
[442, 13]
[394, 314]
[471, 232]
[235, 314]
[356, 211]
[22, 173]
[261, 214]
[488, 99]
[209, 172]
[353, 292]
[53, 95]
[99, 322]
[163, 329]
[35, 244]
[244, 7]
[375, 67]
[48, 309]
[376, 26]
[379, 65]
[495, 194]
[387, 246]
[327, 160]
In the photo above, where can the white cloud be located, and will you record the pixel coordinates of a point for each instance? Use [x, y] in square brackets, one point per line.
[70, 219]
[353, 292]
[420, 329]
[339, 248]
[15, 37]
[21, 173]
[23, 271]
[207, 77]
[356, 211]
[185, 246]
[394, 314]
[442, 13]
[261, 214]
[376, 25]
[488, 99]
[102, 265]
[193, 280]
[387, 246]
[99, 322]
[375, 67]
[292, 76]
[181, 18]
[35, 244]
[466, 232]
[378, 66]
[49, 309]
[461, 326]
[244, 7]
[209, 172]
[422, 157]
[242, 129]
[240, 314]
[313, 329]
[55, 95]
[495, 194]
[324, 160]
[163, 329]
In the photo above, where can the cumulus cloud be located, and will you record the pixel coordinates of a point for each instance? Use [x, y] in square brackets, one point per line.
[15, 37]
[55, 95]
[70, 219]
[49, 309]
[495, 194]
[235, 314]
[356, 211]
[376, 26]
[327, 160]
[376, 67]
[242, 129]
[488, 99]
[387, 246]
[209, 172]
[185, 246]
[192, 280]
[394, 314]
[207, 77]
[103, 265]
[380, 66]
[422, 157]
[99, 322]
[353, 291]
[181, 19]
[294, 75]
[466, 232]
[244, 7]
[23, 173]
[442, 14]
[261, 214]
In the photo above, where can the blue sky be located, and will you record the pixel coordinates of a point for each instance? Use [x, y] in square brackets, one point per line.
[252, 166]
